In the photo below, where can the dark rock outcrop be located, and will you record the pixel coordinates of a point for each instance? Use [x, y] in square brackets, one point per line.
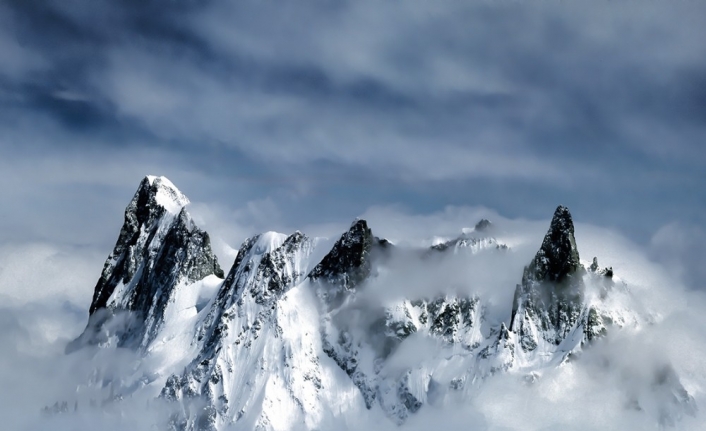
[549, 302]
[339, 273]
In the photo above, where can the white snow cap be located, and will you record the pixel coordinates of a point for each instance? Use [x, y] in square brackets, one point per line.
[269, 241]
[167, 194]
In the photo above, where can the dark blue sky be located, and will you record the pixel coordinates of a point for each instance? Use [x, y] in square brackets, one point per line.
[316, 111]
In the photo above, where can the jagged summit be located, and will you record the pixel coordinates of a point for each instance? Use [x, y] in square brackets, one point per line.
[155, 205]
[347, 263]
[550, 301]
[558, 255]
[164, 193]
[159, 247]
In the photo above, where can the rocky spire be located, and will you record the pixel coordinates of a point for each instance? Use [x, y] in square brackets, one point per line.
[159, 246]
[348, 263]
[335, 278]
[549, 301]
[558, 257]
[155, 199]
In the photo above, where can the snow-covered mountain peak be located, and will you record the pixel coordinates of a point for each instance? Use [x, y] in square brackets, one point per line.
[159, 250]
[472, 240]
[164, 193]
[548, 306]
[268, 241]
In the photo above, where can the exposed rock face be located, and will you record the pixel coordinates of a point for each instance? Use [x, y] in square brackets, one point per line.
[558, 257]
[549, 303]
[347, 264]
[334, 279]
[159, 248]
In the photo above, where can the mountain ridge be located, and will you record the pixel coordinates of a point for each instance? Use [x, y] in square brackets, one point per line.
[283, 335]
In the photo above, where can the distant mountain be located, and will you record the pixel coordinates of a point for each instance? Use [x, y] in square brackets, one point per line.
[287, 341]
